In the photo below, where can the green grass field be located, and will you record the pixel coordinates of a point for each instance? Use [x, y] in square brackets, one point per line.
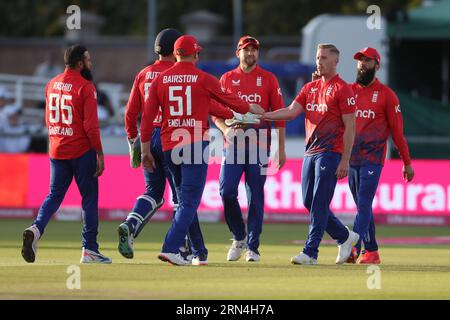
[407, 272]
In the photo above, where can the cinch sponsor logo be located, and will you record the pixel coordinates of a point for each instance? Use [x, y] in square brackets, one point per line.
[252, 98]
[319, 107]
[366, 114]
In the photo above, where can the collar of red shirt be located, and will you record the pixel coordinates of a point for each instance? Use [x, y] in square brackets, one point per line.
[239, 70]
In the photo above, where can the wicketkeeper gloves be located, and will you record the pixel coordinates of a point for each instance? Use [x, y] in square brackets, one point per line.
[248, 118]
[134, 146]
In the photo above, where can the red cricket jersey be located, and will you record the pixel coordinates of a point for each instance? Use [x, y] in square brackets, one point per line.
[377, 116]
[71, 116]
[184, 93]
[258, 86]
[324, 104]
[139, 93]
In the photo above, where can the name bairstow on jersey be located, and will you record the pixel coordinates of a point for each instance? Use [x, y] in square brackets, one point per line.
[183, 78]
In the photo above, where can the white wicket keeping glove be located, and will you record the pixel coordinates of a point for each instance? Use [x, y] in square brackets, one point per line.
[248, 118]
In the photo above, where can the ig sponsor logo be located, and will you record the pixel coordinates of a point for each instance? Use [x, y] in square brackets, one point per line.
[351, 101]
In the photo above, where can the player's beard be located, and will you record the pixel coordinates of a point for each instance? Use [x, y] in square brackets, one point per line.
[250, 61]
[365, 77]
[86, 73]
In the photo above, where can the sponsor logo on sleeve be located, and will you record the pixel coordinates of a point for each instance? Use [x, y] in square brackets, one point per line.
[351, 101]
[397, 109]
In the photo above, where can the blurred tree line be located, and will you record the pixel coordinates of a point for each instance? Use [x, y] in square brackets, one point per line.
[39, 18]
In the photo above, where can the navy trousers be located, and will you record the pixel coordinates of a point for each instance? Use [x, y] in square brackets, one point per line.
[230, 175]
[363, 182]
[155, 183]
[189, 177]
[61, 174]
[318, 184]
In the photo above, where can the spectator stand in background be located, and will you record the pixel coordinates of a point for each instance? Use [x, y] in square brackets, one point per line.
[105, 110]
[14, 137]
[50, 67]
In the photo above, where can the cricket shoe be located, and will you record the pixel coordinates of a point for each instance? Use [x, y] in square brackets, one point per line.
[353, 256]
[185, 250]
[345, 249]
[173, 258]
[236, 249]
[89, 256]
[126, 240]
[31, 236]
[200, 260]
[252, 256]
[304, 259]
[370, 257]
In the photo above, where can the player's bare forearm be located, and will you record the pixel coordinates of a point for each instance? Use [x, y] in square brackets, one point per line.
[289, 113]
[281, 147]
[148, 162]
[220, 123]
[349, 137]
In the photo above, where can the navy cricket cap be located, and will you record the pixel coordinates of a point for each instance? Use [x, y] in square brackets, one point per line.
[164, 41]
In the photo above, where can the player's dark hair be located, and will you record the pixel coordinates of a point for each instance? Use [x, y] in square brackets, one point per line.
[73, 55]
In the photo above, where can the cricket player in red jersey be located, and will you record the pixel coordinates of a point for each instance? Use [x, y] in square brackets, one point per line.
[75, 152]
[378, 115]
[329, 106]
[152, 199]
[184, 93]
[253, 84]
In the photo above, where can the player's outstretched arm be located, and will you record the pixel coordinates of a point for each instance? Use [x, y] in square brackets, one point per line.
[289, 113]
